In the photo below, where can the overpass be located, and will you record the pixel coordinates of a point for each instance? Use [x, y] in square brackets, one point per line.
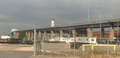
[73, 29]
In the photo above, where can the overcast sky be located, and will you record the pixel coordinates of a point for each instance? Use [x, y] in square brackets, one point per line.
[29, 14]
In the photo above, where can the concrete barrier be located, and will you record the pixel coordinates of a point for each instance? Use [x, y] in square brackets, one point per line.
[92, 46]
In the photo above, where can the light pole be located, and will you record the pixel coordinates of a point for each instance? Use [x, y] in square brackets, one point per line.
[100, 27]
[117, 31]
[88, 13]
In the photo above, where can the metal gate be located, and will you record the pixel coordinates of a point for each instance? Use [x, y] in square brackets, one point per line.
[37, 44]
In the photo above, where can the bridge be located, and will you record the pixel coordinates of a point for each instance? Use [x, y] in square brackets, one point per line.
[74, 29]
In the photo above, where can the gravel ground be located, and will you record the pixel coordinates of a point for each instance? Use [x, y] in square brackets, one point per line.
[26, 51]
[41, 56]
[15, 54]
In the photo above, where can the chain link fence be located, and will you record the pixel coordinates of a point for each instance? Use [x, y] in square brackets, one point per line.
[64, 47]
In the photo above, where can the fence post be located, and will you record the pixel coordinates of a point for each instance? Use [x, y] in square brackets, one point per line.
[108, 47]
[114, 47]
[34, 42]
[92, 47]
[43, 46]
[83, 47]
[74, 46]
[38, 44]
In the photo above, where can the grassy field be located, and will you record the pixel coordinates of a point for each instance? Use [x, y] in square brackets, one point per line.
[86, 54]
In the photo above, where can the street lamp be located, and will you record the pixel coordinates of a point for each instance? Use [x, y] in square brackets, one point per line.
[117, 31]
[100, 27]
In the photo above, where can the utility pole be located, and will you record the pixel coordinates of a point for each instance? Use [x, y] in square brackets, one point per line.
[88, 13]
[100, 27]
[117, 31]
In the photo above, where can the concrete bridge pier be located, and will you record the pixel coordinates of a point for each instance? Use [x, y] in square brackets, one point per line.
[111, 33]
[40, 34]
[31, 35]
[74, 33]
[52, 33]
[28, 35]
[45, 34]
[89, 32]
[61, 33]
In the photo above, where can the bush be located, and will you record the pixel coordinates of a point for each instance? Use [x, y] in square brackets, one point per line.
[21, 35]
[27, 42]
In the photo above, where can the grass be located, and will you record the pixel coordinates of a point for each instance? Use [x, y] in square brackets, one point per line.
[86, 54]
[101, 52]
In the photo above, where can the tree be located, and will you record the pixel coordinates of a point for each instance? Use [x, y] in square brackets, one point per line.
[21, 35]
[79, 35]
[65, 36]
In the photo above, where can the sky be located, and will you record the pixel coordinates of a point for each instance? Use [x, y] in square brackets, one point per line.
[30, 14]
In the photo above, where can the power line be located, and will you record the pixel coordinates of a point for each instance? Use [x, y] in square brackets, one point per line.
[74, 20]
[79, 16]
[84, 17]
[108, 18]
[106, 5]
[107, 11]
[83, 13]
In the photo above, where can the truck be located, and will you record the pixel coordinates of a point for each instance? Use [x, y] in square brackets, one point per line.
[58, 39]
[4, 38]
[81, 40]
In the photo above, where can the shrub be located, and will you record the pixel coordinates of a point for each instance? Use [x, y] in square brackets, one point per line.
[21, 35]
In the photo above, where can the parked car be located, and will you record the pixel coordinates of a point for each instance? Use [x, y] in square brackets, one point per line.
[16, 41]
[100, 42]
[116, 36]
[27, 42]
[113, 42]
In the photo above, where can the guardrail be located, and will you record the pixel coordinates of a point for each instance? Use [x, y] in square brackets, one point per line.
[98, 45]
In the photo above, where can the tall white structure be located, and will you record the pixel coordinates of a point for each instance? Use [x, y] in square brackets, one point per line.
[14, 29]
[52, 22]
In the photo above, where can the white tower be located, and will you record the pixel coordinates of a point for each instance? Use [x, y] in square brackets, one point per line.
[52, 22]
